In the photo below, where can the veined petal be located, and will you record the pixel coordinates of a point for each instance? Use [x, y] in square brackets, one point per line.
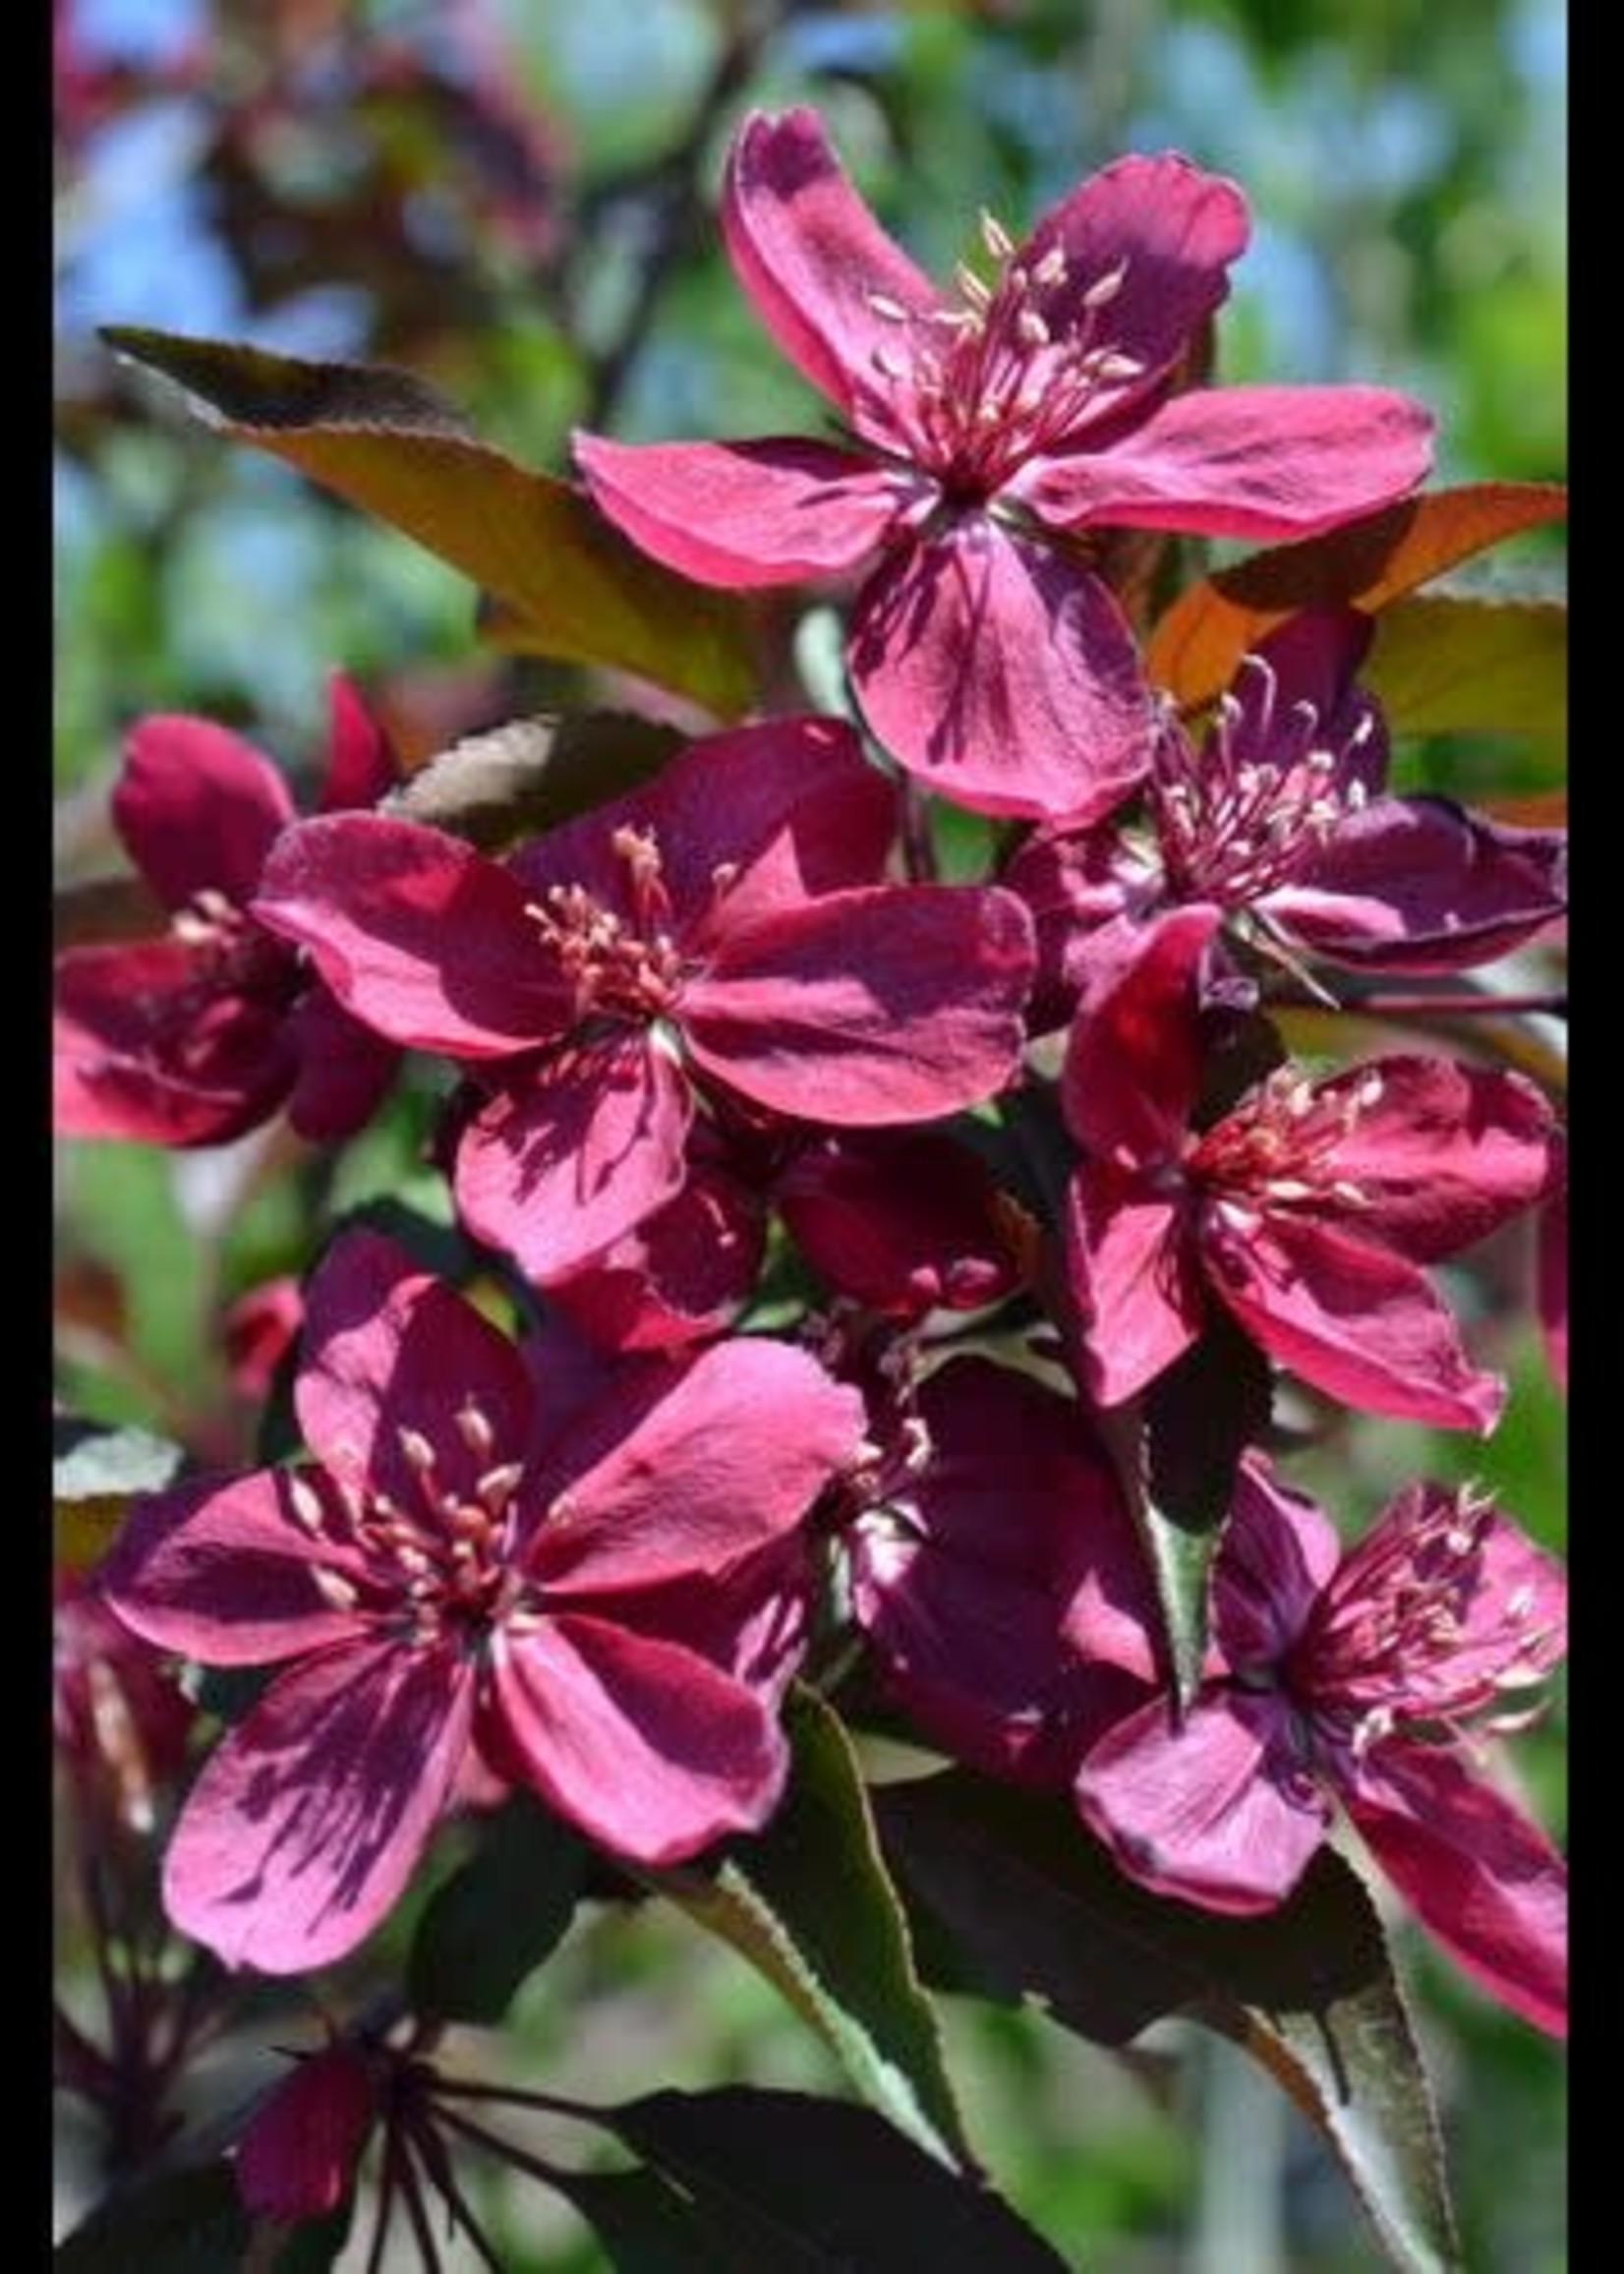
[1215, 1811]
[1356, 1322]
[811, 256]
[310, 1816]
[573, 1150]
[1134, 1059]
[1481, 1879]
[417, 934]
[745, 514]
[1254, 461]
[867, 1008]
[198, 808]
[1002, 675]
[644, 1745]
[1135, 1293]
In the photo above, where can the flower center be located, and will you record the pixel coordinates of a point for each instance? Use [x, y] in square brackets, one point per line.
[977, 388]
[623, 963]
[1279, 1147]
[1260, 799]
[237, 968]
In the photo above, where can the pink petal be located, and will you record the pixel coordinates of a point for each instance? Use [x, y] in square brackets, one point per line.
[1418, 884]
[723, 1457]
[387, 1348]
[1279, 1553]
[574, 1150]
[1135, 1058]
[344, 1069]
[220, 1570]
[866, 1008]
[1002, 675]
[310, 1816]
[811, 254]
[1481, 1879]
[745, 514]
[1445, 1154]
[361, 766]
[905, 1222]
[1074, 886]
[1172, 230]
[1136, 1294]
[676, 1277]
[1255, 461]
[643, 1745]
[418, 935]
[1215, 1811]
[1359, 1324]
[198, 808]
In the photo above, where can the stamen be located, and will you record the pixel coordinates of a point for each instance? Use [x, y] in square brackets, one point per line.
[997, 239]
[334, 1588]
[474, 1428]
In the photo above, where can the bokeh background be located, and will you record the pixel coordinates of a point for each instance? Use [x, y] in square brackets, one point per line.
[513, 198]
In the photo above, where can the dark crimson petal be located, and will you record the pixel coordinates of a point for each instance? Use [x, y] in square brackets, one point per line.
[298, 2154]
[727, 1460]
[1481, 1879]
[311, 1814]
[905, 1222]
[389, 1348]
[573, 1150]
[1134, 1059]
[220, 1570]
[1254, 461]
[1134, 1289]
[676, 1277]
[1214, 1810]
[1171, 230]
[418, 935]
[1277, 1554]
[1418, 884]
[198, 808]
[745, 514]
[865, 1008]
[643, 1745]
[361, 766]
[810, 255]
[1359, 1324]
[344, 1069]
[1074, 886]
[1443, 1155]
[1002, 675]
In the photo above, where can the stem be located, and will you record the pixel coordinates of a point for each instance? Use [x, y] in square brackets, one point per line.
[1552, 1005]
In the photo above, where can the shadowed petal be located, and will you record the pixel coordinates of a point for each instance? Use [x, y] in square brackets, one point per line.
[677, 1276]
[1279, 1553]
[1136, 1295]
[310, 1816]
[198, 808]
[361, 766]
[1134, 1060]
[344, 1069]
[1002, 675]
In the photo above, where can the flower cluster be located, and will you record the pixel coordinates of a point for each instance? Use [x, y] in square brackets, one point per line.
[746, 1114]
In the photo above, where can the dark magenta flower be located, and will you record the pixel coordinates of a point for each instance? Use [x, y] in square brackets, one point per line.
[724, 929]
[1358, 1678]
[195, 1036]
[298, 2154]
[589, 1581]
[1307, 1211]
[992, 435]
[1282, 819]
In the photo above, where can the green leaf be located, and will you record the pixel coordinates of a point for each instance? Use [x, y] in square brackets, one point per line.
[802, 2185]
[808, 1901]
[496, 1918]
[565, 582]
[1367, 564]
[1458, 663]
[189, 2221]
[1036, 1909]
[532, 774]
[95, 1473]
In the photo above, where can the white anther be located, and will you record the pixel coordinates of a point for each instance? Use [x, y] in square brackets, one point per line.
[497, 1485]
[333, 1588]
[307, 1504]
[1051, 269]
[1031, 330]
[1112, 367]
[474, 1428]
[416, 1450]
[1105, 288]
[997, 239]
[888, 309]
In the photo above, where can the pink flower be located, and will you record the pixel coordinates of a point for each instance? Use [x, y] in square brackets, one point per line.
[194, 1037]
[724, 929]
[1356, 1677]
[992, 436]
[1283, 820]
[592, 1584]
[1307, 1211]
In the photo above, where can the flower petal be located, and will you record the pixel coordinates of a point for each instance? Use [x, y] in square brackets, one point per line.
[361, 766]
[1255, 461]
[677, 1276]
[1002, 675]
[867, 1008]
[198, 808]
[1214, 1811]
[1279, 1552]
[1481, 1879]
[643, 1745]
[344, 1069]
[745, 514]
[1359, 1324]
[310, 1816]
[1136, 1294]
[907, 1221]
[418, 935]
[573, 1150]
[297, 2157]
[811, 256]
[1134, 1059]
